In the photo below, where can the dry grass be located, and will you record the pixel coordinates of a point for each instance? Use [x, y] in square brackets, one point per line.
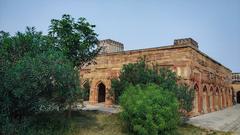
[97, 123]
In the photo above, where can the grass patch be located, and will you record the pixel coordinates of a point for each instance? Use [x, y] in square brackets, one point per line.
[96, 123]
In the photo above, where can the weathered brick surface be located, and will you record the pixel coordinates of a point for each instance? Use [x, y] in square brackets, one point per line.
[211, 80]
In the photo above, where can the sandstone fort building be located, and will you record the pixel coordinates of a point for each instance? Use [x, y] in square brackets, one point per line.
[210, 79]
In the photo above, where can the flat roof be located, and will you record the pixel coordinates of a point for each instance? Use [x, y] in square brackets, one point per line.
[163, 48]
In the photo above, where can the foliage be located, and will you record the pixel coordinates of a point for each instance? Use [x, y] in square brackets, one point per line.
[39, 73]
[149, 109]
[13, 48]
[76, 39]
[140, 73]
[35, 77]
[34, 83]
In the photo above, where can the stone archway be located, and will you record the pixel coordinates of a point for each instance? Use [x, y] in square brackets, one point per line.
[238, 97]
[101, 92]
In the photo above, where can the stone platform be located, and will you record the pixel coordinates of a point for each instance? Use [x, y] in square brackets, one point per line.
[225, 120]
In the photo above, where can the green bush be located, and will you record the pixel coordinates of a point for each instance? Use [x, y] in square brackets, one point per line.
[149, 110]
[141, 73]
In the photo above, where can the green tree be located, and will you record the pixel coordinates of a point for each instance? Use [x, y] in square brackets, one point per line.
[36, 83]
[33, 75]
[140, 74]
[149, 110]
[15, 47]
[76, 39]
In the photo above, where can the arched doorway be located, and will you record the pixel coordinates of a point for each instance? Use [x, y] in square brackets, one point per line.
[101, 92]
[238, 97]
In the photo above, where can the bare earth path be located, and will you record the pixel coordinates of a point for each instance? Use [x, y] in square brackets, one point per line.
[101, 107]
[224, 120]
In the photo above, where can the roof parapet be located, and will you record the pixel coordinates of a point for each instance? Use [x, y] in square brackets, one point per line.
[186, 42]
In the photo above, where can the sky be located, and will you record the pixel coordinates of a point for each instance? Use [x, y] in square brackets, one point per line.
[214, 24]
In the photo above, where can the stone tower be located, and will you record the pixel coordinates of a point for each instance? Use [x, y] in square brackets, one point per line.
[109, 46]
[186, 42]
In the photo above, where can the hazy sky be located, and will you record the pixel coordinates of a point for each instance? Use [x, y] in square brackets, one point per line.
[214, 24]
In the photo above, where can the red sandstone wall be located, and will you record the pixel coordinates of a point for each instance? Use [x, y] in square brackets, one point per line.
[195, 68]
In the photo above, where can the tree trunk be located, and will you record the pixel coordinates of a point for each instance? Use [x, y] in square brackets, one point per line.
[69, 110]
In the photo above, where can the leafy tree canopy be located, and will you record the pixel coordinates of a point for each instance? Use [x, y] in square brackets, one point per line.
[13, 48]
[48, 77]
[76, 39]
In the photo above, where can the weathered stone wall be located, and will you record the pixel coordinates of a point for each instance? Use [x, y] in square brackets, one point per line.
[212, 83]
[211, 80]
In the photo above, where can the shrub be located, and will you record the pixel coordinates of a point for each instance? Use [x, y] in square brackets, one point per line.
[141, 73]
[149, 110]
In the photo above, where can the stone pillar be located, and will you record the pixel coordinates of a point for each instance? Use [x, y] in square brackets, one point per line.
[227, 98]
[230, 97]
[216, 99]
[205, 100]
[219, 101]
[224, 98]
[196, 102]
[200, 102]
[93, 94]
[208, 102]
[213, 101]
[108, 98]
[223, 104]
